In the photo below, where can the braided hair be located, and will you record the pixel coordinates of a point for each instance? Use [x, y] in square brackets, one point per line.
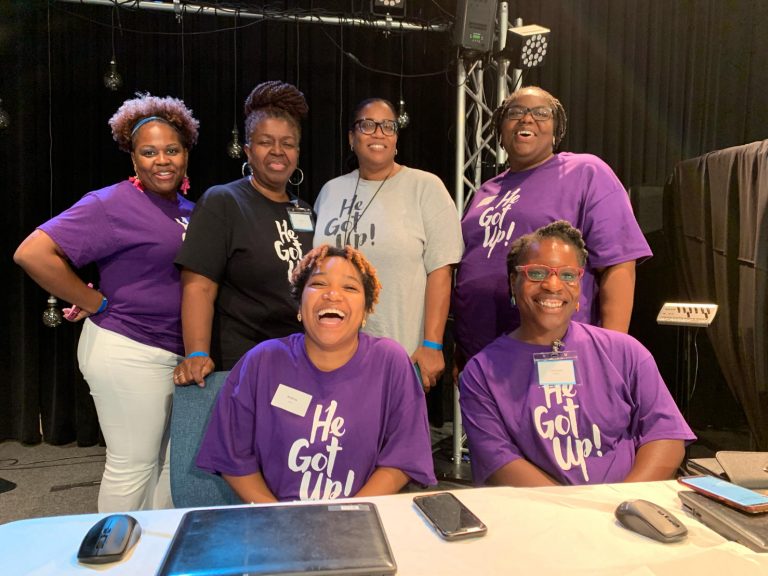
[560, 119]
[274, 99]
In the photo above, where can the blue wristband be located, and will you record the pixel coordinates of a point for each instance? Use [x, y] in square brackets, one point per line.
[433, 345]
[102, 307]
[198, 355]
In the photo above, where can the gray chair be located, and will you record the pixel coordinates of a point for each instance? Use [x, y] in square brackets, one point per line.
[190, 486]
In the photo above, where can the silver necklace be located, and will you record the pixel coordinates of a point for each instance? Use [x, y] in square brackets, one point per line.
[354, 198]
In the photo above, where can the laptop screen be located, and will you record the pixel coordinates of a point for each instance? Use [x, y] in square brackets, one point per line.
[317, 539]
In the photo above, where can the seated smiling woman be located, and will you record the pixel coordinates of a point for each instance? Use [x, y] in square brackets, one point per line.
[332, 413]
[560, 402]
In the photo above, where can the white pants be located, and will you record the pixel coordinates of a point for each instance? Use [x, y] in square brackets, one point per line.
[132, 387]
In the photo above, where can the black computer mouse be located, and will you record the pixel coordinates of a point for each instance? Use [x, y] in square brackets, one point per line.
[109, 540]
[650, 520]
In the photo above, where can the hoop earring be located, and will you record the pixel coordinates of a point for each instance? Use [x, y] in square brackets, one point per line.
[301, 177]
[298, 316]
[248, 172]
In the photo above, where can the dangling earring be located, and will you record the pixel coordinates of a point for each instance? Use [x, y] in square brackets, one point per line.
[577, 306]
[184, 185]
[136, 183]
[301, 177]
[352, 147]
[395, 151]
[298, 316]
[554, 142]
[363, 324]
[512, 300]
[244, 172]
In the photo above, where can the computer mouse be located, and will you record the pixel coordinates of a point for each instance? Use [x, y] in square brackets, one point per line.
[109, 540]
[650, 520]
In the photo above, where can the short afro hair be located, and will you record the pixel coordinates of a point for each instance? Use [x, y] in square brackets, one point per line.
[307, 265]
[170, 110]
[559, 229]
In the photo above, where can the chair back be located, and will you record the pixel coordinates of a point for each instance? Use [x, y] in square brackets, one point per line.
[190, 486]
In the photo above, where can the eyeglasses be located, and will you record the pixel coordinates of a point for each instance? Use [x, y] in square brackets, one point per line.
[540, 272]
[540, 113]
[368, 126]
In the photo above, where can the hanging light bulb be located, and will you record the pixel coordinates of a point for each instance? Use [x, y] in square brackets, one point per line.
[234, 149]
[403, 119]
[52, 315]
[112, 78]
[5, 119]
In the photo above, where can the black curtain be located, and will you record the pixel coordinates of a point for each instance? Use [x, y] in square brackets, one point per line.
[718, 223]
[646, 83]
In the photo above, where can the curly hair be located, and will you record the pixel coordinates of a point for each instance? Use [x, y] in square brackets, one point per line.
[560, 119]
[274, 99]
[560, 229]
[170, 110]
[305, 268]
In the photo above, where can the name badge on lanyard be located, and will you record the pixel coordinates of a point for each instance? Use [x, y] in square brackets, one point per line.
[556, 368]
[301, 219]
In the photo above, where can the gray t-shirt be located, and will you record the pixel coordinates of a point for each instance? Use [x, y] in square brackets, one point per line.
[407, 226]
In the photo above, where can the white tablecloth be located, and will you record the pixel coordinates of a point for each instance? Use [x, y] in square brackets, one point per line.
[542, 531]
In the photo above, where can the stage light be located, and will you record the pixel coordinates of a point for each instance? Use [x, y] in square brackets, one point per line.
[52, 315]
[234, 149]
[5, 119]
[403, 118]
[392, 7]
[526, 46]
[112, 78]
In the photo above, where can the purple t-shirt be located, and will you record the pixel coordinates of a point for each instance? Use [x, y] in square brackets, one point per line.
[132, 237]
[583, 434]
[579, 188]
[314, 434]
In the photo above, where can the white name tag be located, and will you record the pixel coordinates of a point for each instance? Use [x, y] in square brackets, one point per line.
[301, 220]
[556, 372]
[291, 400]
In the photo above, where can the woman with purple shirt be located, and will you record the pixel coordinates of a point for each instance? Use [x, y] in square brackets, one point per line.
[560, 402]
[332, 413]
[543, 185]
[131, 338]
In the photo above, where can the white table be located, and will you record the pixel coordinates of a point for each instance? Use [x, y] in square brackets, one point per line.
[542, 531]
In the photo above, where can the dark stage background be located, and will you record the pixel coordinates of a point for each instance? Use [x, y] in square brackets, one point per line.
[646, 83]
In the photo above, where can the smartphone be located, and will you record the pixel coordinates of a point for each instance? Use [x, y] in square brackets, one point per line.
[449, 516]
[733, 495]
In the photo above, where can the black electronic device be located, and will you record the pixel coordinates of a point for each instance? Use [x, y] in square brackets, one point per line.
[474, 25]
[723, 491]
[450, 517]
[751, 530]
[650, 520]
[109, 540]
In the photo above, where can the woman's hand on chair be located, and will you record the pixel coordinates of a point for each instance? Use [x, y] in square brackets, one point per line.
[193, 370]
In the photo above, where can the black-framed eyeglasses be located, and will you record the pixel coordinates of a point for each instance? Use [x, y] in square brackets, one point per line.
[540, 113]
[368, 126]
[540, 272]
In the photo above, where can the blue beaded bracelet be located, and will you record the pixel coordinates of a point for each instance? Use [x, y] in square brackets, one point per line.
[102, 307]
[433, 345]
[198, 355]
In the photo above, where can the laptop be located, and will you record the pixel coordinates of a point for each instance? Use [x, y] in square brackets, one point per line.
[751, 530]
[286, 540]
[748, 469]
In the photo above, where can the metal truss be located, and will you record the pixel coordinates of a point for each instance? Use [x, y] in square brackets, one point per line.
[482, 83]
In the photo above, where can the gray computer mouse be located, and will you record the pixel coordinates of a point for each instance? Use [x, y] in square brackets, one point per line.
[109, 540]
[650, 520]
